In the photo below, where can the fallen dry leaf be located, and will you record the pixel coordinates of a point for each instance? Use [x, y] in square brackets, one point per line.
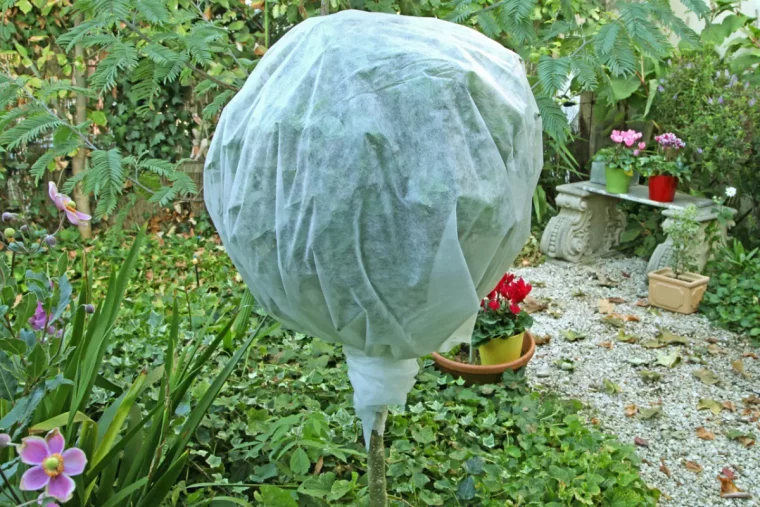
[532, 305]
[729, 490]
[694, 467]
[711, 405]
[626, 338]
[705, 434]
[18, 299]
[751, 354]
[614, 320]
[630, 410]
[542, 340]
[595, 421]
[711, 340]
[616, 300]
[606, 306]
[729, 405]
[318, 466]
[644, 303]
[606, 345]
[738, 365]
[631, 318]
[714, 349]
[752, 399]
[706, 376]
[664, 468]
[259, 50]
[727, 472]
[640, 441]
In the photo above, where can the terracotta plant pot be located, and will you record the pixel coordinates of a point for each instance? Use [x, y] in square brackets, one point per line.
[501, 350]
[491, 374]
[662, 188]
[681, 295]
[617, 181]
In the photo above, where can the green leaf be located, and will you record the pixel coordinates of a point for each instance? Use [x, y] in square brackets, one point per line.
[650, 376]
[668, 360]
[58, 421]
[553, 73]
[124, 493]
[573, 336]
[24, 6]
[717, 33]
[340, 489]
[164, 483]
[13, 346]
[8, 383]
[272, 496]
[98, 118]
[318, 486]
[299, 462]
[624, 87]
[604, 40]
[423, 435]
[466, 489]
[698, 7]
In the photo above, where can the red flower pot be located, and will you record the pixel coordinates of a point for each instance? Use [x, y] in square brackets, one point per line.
[662, 188]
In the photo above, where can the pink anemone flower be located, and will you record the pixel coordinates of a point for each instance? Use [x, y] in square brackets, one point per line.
[64, 203]
[53, 467]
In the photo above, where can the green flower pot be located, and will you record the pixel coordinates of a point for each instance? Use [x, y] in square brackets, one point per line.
[617, 181]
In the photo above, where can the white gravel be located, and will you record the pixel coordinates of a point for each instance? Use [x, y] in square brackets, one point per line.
[671, 435]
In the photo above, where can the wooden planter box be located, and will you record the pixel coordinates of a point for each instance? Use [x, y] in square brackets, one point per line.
[681, 295]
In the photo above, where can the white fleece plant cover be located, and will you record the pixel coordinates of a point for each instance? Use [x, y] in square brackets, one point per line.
[372, 181]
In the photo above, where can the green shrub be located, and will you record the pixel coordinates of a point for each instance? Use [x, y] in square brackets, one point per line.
[717, 114]
[732, 298]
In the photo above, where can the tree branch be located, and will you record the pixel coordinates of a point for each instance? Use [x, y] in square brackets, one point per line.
[134, 29]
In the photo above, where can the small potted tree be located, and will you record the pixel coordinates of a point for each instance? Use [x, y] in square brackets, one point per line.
[621, 160]
[664, 168]
[500, 336]
[675, 288]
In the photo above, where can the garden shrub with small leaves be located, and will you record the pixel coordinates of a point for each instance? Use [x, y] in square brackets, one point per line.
[732, 299]
[282, 431]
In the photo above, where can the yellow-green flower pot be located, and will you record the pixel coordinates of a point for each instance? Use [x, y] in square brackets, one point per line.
[618, 182]
[501, 350]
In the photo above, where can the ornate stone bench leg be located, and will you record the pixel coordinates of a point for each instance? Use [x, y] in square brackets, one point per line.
[588, 225]
[661, 258]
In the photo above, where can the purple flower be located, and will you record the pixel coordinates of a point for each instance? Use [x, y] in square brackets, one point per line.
[5, 440]
[64, 203]
[636, 152]
[41, 501]
[689, 65]
[699, 150]
[53, 467]
[7, 216]
[710, 100]
[50, 240]
[720, 100]
[675, 97]
[660, 88]
[88, 308]
[41, 318]
[751, 102]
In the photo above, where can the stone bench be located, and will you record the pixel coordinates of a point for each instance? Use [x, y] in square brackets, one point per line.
[589, 224]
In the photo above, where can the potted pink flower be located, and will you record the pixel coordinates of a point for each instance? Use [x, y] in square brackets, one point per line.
[621, 160]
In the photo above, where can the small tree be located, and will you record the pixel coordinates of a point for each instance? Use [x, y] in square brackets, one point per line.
[683, 230]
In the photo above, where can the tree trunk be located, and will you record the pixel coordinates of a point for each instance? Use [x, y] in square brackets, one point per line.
[324, 9]
[81, 199]
[378, 494]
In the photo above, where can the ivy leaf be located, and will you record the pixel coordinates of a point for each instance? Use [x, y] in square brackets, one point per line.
[650, 376]
[423, 435]
[317, 486]
[611, 388]
[466, 489]
[669, 360]
[670, 339]
[573, 336]
[474, 465]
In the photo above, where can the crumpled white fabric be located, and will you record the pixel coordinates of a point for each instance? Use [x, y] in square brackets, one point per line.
[372, 181]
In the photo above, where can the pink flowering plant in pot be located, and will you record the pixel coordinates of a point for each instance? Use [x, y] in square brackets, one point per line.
[59, 445]
[665, 168]
[622, 159]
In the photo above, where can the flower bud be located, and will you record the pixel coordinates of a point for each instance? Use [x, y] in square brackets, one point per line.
[88, 308]
[24, 228]
[9, 232]
[7, 216]
[195, 260]
[5, 440]
[50, 240]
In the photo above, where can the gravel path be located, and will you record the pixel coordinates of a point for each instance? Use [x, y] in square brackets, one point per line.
[674, 453]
